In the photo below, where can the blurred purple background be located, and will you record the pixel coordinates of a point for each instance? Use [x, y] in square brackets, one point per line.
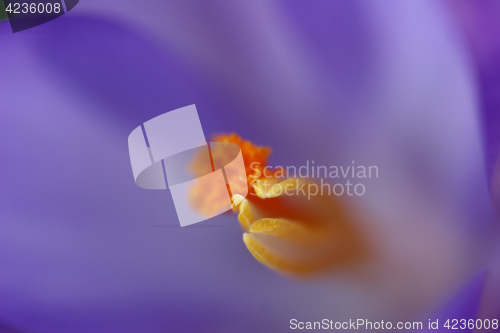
[412, 87]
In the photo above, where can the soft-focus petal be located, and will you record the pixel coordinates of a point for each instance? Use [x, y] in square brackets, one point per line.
[464, 305]
[480, 22]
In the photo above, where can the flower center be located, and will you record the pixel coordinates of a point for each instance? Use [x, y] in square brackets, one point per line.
[254, 156]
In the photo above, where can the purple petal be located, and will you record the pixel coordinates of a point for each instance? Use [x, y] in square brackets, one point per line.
[480, 23]
[463, 305]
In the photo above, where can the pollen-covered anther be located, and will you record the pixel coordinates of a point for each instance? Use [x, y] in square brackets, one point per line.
[254, 156]
[289, 247]
[273, 187]
[288, 230]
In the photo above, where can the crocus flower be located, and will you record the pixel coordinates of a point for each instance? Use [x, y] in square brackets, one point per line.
[82, 249]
